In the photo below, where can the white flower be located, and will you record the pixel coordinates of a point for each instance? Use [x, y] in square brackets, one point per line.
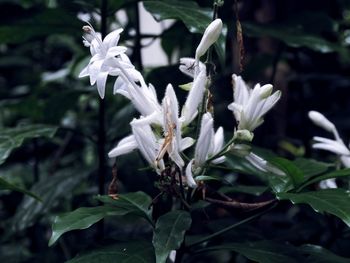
[195, 97]
[250, 105]
[173, 142]
[103, 59]
[328, 184]
[336, 146]
[263, 165]
[188, 65]
[142, 138]
[211, 34]
[208, 145]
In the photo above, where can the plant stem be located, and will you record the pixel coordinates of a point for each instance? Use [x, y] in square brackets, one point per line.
[102, 126]
[137, 44]
[226, 229]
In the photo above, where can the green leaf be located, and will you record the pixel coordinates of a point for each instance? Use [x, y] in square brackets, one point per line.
[289, 168]
[208, 178]
[280, 183]
[12, 138]
[292, 36]
[334, 174]
[186, 87]
[128, 252]
[4, 185]
[81, 218]
[51, 190]
[194, 17]
[263, 252]
[272, 252]
[333, 201]
[132, 203]
[169, 233]
[311, 167]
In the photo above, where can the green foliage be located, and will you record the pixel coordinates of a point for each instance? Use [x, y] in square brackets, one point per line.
[4, 185]
[332, 201]
[137, 203]
[131, 252]
[169, 233]
[12, 138]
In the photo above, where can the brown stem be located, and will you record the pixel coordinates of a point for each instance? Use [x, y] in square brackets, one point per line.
[240, 205]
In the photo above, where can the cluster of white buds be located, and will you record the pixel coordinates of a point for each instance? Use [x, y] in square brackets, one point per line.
[249, 107]
[336, 146]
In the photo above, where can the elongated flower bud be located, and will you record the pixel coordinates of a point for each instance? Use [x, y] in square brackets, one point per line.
[320, 120]
[210, 35]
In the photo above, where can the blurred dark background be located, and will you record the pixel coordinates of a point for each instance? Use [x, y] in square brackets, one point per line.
[301, 47]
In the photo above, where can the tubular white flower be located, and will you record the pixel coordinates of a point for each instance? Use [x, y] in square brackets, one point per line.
[250, 105]
[335, 146]
[205, 140]
[188, 66]
[103, 55]
[126, 145]
[263, 165]
[211, 34]
[320, 120]
[195, 97]
[189, 176]
[328, 184]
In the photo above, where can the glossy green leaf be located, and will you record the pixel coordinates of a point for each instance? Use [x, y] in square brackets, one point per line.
[169, 233]
[194, 17]
[333, 201]
[289, 168]
[128, 252]
[311, 167]
[51, 191]
[12, 138]
[292, 36]
[134, 203]
[81, 218]
[4, 185]
[273, 252]
[334, 174]
[208, 178]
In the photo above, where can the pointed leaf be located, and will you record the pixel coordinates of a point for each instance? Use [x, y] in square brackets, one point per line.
[311, 167]
[272, 252]
[169, 233]
[289, 168]
[129, 252]
[136, 203]
[12, 138]
[4, 185]
[81, 218]
[333, 201]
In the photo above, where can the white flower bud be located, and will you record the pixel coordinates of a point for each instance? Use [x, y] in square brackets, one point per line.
[211, 34]
[265, 91]
[243, 135]
[320, 120]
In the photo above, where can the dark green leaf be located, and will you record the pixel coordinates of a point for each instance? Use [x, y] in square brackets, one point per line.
[334, 174]
[273, 252]
[133, 203]
[12, 138]
[280, 183]
[169, 233]
[292, 37]
[81, 218]
[194, 17]
[4, 185]
[263, 252]
[311, 167]
[289, 168]
[333, 201]
[130, 252]
[51, 190]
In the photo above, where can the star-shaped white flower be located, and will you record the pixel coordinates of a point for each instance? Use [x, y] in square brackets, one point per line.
[250, 105]
[106, 58]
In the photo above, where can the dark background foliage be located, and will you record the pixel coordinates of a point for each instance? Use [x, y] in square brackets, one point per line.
[302, 47]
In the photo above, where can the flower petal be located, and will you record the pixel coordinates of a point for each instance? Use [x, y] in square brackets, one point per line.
[189, 176]
[126, 145]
